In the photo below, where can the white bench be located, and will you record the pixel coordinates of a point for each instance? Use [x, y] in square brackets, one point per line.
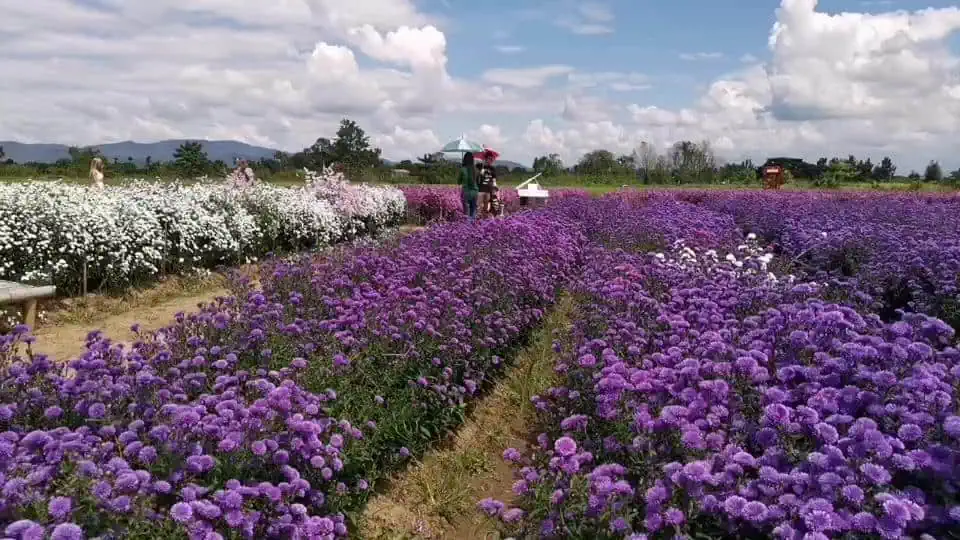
[12, 292]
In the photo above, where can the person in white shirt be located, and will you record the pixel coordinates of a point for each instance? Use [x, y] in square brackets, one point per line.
[96, 172]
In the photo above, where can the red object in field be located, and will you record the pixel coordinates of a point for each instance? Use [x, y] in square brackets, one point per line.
[773, 177]
[489, 155]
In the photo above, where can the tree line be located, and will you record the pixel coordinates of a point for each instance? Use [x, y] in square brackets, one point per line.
[687, 162]
[684, 163]
[350, 150]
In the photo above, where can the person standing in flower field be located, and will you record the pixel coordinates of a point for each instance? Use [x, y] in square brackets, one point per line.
[243, 175]
[468, 186]
[96, 172]
[484, 182]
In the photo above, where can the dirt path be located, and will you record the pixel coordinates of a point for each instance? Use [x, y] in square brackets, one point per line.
[67, 341]
[436, 499]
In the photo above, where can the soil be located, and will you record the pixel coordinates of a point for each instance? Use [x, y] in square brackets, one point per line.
[66, 341]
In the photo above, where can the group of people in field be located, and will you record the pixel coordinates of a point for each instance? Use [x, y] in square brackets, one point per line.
[478, 188]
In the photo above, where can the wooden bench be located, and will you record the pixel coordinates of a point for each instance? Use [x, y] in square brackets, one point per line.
[12, 292]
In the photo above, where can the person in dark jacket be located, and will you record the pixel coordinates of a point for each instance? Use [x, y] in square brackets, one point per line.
[468, 186]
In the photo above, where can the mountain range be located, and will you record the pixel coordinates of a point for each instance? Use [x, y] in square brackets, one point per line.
[158, 151]
[225, 151]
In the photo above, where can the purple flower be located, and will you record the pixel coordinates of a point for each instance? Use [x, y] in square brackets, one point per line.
[258, 448]
[734, 505]
[754, 511]
[59, 507]
[910, 432]
[952, 426]
[67, 531]
[897, 511]
[875, 473]
[491, 507]
[864, 522]
[826, 433]
[852, 493]
[587, 360]
[97, 411]
[565, 446]
[512, 516]
[674, 516]
[181, 512]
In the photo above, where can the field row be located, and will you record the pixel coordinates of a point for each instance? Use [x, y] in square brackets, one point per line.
[77, 238]
[713, 385]
[701, 394]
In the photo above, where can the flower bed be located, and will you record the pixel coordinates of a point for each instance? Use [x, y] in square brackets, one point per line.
[50, 231]
[902, 250]
[701, 396]
[268, 416]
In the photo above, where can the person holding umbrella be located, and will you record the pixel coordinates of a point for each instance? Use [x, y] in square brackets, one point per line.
[468, 186]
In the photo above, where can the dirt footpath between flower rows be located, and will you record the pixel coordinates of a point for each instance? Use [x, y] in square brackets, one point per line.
[64, 342]
[436, 498]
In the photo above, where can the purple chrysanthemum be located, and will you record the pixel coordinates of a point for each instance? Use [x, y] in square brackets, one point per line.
[59, 507]
[181, 512]
[565, 446]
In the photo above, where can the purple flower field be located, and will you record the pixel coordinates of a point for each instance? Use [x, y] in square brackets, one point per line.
[702, 396]
[710, 387]
[273, 414]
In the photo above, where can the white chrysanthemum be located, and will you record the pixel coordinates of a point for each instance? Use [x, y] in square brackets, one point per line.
[51, 232]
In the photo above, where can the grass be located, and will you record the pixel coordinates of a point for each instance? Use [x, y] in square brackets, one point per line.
[437, 497]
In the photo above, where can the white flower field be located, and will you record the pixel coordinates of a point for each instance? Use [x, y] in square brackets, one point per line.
[56, 233]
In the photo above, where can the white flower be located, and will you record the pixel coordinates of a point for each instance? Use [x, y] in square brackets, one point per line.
[51, 232]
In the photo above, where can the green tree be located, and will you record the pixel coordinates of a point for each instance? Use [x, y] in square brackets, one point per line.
[319, 155]
[838, 172]
[428, 159]
[933, 172]
[739, 173]
[865, 169]
[597, 162]
[692, 163]
[955, 177]
[190, 159]
[2, 154]
[549, 165]
[352, 149]
[885, 171]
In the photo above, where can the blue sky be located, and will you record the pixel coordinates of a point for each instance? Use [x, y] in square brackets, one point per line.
[647, 37]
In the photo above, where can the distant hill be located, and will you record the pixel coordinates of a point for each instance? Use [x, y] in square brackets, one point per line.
[226, 151]
[511, 164]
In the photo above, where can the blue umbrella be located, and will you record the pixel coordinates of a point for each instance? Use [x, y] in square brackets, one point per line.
[461, 146]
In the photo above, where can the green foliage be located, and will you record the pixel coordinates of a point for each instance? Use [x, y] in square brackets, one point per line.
[933, 172]
[191, 160]
[549, 165]
[837, 173]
